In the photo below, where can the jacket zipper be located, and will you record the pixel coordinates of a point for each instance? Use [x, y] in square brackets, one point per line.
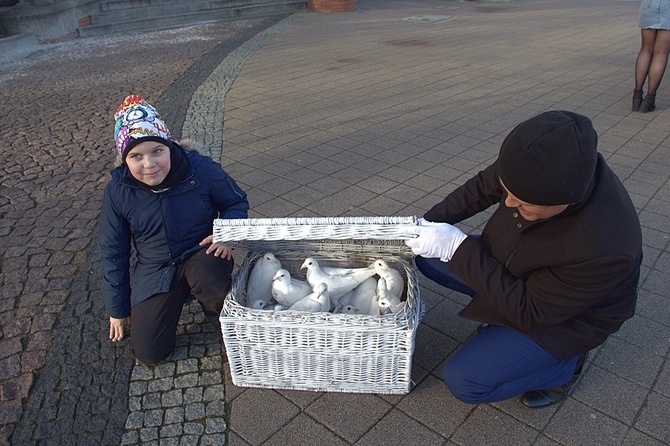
[234, 189]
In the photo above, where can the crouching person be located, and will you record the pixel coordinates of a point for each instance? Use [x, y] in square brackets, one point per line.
[554, 272]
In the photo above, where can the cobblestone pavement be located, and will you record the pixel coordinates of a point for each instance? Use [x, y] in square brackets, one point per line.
[378, 112]
[62, 381]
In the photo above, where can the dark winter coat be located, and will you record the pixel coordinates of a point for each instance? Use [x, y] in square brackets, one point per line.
[164, 228]
[566, 282]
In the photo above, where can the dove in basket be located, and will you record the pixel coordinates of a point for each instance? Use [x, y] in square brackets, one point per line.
[364, 294]
[388, 302]
[339, 280]
[259, 286]
[346, 309]
[286, 290]
[394, 281]
[316, 302]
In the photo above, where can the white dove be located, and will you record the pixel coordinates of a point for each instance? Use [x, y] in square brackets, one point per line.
[258, 304]
[340, 282]
[346, 309]
[388, 302]
[316, 302]
[287, 290]
[259, 286]
[374, 307]
[394, 281]
[364, 294]
[343, 300]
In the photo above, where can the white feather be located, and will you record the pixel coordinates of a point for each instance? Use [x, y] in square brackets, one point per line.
[259, 286]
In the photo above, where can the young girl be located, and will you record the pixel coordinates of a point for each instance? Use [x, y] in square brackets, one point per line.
[163, 199]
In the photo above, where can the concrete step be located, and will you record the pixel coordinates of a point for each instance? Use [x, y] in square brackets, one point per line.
[168, 8]
[17, 45]
[116, 5]
[145, 15]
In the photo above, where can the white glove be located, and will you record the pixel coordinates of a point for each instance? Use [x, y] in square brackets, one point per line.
[435, 240]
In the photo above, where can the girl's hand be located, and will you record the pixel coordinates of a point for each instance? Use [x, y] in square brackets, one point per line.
[216, 249]
[117, 328]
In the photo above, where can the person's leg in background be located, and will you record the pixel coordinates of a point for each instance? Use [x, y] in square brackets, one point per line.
[642, 64]
[659, 61]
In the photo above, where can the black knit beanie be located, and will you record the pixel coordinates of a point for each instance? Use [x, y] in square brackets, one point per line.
[549, 159]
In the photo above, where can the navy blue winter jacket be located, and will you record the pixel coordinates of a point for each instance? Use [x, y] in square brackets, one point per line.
[164, 228]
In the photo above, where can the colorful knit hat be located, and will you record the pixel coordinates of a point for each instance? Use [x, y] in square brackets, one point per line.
[137, 119]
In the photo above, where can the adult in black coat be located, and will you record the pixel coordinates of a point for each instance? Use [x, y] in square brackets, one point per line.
[554, 271]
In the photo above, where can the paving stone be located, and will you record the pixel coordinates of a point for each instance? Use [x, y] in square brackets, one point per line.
[433, 347]
[160, 385]
[135, 420]
[652, 419]
[186, 366]
[174, 415]
[171, 430]
[348, 415]
[256, 423]
[142, 374]
[397, 428]
[215, 393]
[428, 402]
[195, 411]
[172, 398]
[192, 395]
[186, 381]
[215, 425]
[508, 430]
[151, 400]
[210, 378]
[187, 440]
[581, 421]
[148, 434]
[215, 408]
[194, 428]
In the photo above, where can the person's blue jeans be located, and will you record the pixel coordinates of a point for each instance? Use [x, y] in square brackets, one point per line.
[497, 363]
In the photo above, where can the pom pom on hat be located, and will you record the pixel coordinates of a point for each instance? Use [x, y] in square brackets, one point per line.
[550, 159]
[136, 119]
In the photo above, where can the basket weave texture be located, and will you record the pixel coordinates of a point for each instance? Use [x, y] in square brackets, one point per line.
[320, 351]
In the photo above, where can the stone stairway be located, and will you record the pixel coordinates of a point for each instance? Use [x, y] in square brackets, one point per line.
[116, 16]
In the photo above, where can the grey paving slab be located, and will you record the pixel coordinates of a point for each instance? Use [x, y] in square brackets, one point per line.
[381, 111]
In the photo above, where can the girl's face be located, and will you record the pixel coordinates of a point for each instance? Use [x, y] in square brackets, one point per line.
[149, 162]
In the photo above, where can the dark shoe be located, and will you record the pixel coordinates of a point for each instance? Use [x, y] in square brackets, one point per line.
[547, 397]
[648, 104]
[637, 99]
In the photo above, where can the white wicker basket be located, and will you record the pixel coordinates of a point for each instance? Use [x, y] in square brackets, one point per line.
[320, 351]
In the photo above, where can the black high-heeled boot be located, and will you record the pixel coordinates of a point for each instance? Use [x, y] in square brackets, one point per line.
[648, 103]
[637, 99]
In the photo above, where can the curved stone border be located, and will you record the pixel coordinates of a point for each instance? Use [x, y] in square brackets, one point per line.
[204, 118]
